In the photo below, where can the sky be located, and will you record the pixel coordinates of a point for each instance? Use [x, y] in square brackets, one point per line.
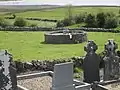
[61, 2]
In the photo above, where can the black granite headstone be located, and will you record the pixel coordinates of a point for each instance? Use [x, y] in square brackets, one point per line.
[91, 63]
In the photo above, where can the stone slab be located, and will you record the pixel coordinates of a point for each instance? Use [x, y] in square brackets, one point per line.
[63, 76]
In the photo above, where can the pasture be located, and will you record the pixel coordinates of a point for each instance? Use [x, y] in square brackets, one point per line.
[60, 13]
[27, 46]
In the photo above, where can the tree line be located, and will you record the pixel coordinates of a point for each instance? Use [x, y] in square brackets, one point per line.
[100, 20]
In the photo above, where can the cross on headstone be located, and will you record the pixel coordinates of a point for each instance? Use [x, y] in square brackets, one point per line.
[111, 61]
[63, 77]
[91, 63]
[8, 80]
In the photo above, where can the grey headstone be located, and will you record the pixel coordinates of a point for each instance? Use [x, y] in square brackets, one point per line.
[111, 61]
[8, 80]
[91, 63]
[63, 77]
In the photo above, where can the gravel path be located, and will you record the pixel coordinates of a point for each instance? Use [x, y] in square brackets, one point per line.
[39, 83]
[115, 86]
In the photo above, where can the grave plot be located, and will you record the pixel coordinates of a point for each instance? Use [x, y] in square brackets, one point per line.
[36, 83]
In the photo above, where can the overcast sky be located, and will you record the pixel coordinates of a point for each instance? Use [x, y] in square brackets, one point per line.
[62, 2]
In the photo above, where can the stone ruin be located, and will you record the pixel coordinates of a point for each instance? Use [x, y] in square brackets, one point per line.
[65, 37]
[62, 77]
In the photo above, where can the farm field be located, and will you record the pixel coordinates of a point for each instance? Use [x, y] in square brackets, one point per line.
[27, 46]
[60, 13]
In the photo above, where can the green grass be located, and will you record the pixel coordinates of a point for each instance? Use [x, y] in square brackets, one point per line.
[60, 13]
[76, 25]
[27, 46]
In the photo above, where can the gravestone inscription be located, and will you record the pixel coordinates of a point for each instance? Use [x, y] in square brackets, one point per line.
[8, 79]
[91, 63]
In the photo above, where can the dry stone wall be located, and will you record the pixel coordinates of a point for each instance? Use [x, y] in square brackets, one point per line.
[58, 37]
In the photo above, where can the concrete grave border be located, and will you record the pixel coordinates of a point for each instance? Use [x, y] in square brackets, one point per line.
[79, 85]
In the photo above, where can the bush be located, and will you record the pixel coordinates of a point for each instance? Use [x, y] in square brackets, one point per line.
[77, 70]
[60, 24]
[111, 23]
[33, 25]
[100, 18]
[3, 22]
[79, 18]
[90, 20]
[65, 22]
[20, 22]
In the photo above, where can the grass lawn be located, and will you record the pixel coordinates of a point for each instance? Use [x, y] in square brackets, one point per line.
[60, 13]
[27, 46]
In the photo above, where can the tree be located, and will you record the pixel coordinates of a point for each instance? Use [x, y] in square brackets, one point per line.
[90, 21]
[60, 24]
[111, 22]
[80, 18]
[3, 22]
[100, 19]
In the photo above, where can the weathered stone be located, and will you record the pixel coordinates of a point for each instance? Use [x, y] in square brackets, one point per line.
[58, 37]
[63, 77]
[8, 80]
[111, 61]
[91, 63]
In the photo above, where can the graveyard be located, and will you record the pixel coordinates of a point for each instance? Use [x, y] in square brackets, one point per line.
[59, 48]
[61, 76]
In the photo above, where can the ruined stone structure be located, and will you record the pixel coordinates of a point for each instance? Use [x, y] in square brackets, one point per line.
[65, 37]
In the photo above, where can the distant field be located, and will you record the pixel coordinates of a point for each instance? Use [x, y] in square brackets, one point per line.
[60, 13]
[27, 46]
[38, 23]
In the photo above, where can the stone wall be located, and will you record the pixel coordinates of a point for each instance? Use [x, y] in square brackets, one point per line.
[57, 38]
[15, 28]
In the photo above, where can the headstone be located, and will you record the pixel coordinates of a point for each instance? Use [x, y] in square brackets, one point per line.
[8, 80]
[111, 61]
[91, 63]
[63, 77]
